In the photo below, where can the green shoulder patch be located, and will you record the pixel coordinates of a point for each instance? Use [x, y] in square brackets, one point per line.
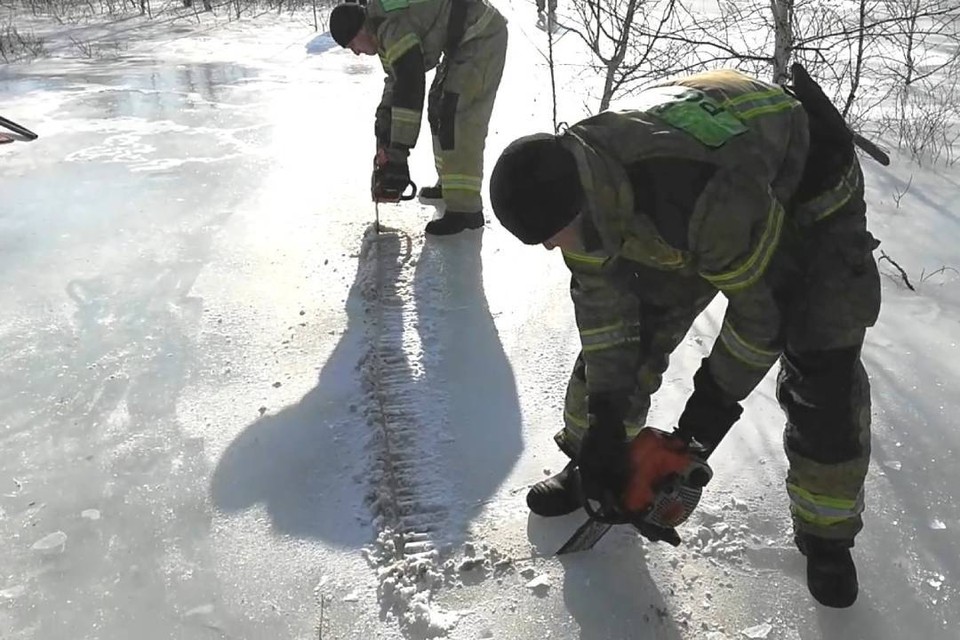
[701, 116]
[394, 5]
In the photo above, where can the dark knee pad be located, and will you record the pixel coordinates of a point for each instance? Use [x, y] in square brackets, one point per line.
[822, 393]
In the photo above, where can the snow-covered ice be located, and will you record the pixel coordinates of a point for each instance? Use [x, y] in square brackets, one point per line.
[231, 410]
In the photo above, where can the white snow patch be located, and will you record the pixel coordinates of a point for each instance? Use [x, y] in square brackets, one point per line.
[57, 539]
[15, 591]
[425, 618]
[758, 632]
[204, 609]
[541, 583]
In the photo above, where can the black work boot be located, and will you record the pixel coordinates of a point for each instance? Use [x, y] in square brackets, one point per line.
[455, 222]
[431, 193]
[831, 574]
[557, 495]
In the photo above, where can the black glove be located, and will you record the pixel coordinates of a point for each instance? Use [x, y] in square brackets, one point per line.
[391, 177]
[603, 460]
[709, 415]
[819, 106]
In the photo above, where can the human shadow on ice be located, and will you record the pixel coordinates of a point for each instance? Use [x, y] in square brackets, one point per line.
[608, 590]
[785, 570]
[306, 464]
[471, 410]
[310, 465]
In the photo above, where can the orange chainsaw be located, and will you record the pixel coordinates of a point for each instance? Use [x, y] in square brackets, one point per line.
[665, 481]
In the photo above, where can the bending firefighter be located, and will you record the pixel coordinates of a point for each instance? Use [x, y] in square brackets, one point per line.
[466, 40]
[716, 183]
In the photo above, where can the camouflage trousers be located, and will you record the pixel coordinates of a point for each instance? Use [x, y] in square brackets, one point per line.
[459, 107]
[822, 385]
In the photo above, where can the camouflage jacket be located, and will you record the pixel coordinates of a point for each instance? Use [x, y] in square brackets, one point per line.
[413, 34]
[693, 189]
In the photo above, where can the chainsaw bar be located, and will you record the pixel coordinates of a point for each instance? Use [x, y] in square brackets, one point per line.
[584, 538]
[19, 129]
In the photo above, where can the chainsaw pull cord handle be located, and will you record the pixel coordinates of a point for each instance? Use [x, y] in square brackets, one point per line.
[402, 197]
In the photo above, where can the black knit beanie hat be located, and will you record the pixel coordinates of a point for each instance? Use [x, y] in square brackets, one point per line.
[346, 20]
[535, 188]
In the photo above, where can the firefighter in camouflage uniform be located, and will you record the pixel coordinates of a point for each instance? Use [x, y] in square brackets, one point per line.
[466, 40]
[716, 183]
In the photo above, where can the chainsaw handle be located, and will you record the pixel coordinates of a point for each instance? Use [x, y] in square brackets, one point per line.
[394, 196]
[608, 512]
[413, 191]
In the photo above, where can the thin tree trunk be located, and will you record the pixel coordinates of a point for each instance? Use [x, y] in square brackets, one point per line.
[620, 52]
[858, 63]
[553, 78]
[783, 38]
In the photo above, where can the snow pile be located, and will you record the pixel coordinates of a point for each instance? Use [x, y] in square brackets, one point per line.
[410, 581]
[715, 536]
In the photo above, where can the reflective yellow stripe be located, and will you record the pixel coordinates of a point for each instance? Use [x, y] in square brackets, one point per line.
[405, 115]
[404, 130]
[473, 30]
[584, 258]
[762, 111]
[599, 330]
[460, 182]
[576, 421]
[607, 337]
[830, 201]
[754, 266]
[600, 346]
[744, 351]
[753, 96]
[400, 47]
[584, 263]
[823, 510]
[758, 103]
